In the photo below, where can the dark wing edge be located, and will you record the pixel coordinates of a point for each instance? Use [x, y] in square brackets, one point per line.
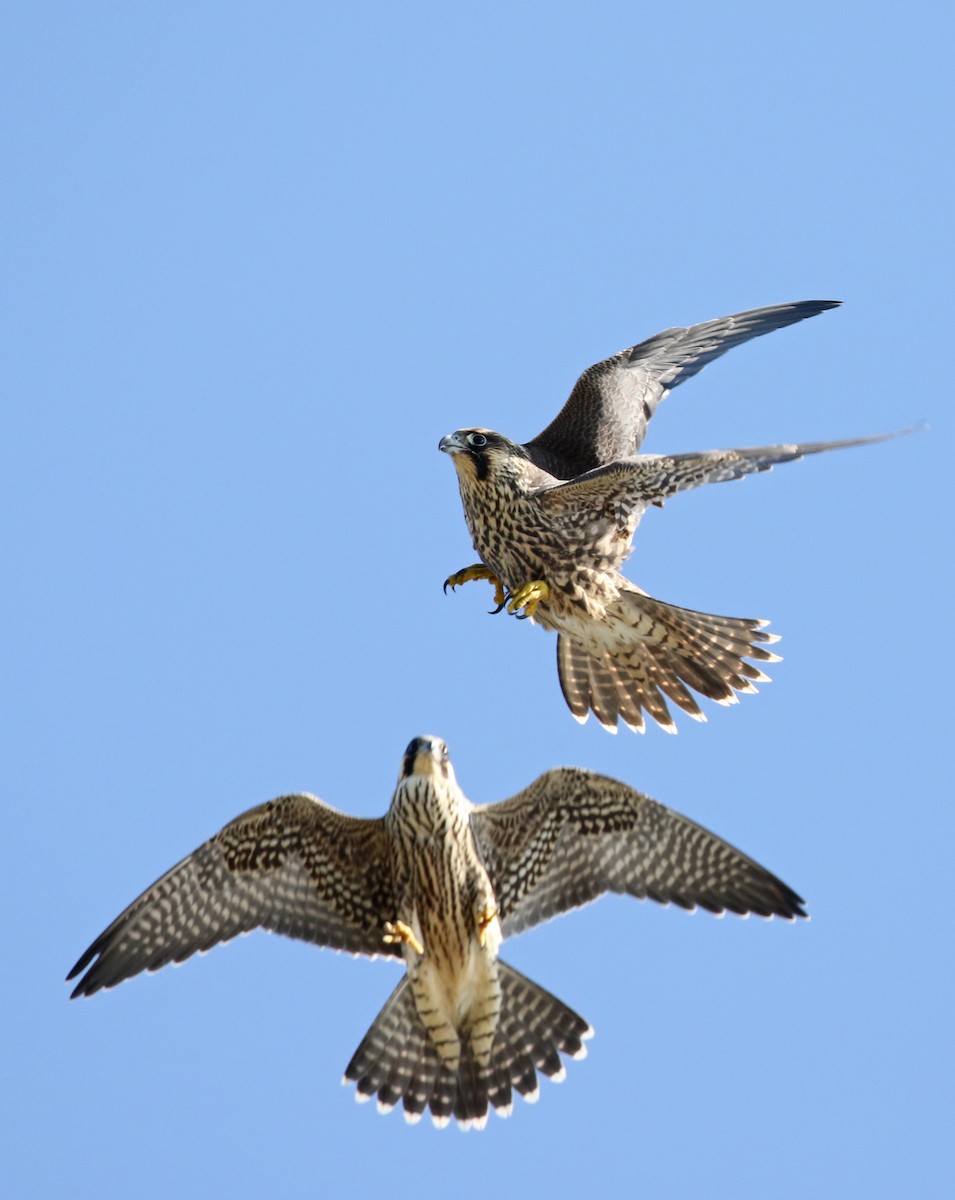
[607, 413]
[574, 835]
[294, 866]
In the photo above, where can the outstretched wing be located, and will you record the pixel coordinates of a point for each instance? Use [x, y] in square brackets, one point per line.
[573, 835]
[652, 478]
[607, 413]
[293, 866]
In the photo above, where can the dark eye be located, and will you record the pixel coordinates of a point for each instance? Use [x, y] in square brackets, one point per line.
[477, 440]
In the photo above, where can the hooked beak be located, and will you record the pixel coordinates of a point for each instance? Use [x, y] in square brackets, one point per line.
[452, 443]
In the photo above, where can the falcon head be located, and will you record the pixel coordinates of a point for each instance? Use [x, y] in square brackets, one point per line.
[427, 797]
[427, 756]
[482, 454]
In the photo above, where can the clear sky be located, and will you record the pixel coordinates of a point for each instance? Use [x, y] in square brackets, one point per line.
[257, 260]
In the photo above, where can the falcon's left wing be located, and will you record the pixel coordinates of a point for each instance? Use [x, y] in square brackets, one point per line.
[653, 478]
[573, 835]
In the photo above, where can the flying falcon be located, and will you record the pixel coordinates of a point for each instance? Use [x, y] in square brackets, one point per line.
[552, 521]
[438, 882]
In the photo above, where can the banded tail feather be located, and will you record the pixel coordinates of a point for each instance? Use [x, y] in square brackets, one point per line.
[655, 652]
[397, 1060]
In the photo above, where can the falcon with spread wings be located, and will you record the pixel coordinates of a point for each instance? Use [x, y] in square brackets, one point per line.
[552, 521]
[438, 882]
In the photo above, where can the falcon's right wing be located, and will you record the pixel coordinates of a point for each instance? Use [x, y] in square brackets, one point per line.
[606, 416]
[293, 866]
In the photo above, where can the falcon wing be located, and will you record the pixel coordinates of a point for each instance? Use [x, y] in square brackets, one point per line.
[608, 411]
[573, 835]
[653, 478]
[293, 866]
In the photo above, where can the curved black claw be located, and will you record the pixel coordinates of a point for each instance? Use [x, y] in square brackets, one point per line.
[504, 603]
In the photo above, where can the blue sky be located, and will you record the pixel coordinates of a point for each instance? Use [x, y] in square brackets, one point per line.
[257, 261]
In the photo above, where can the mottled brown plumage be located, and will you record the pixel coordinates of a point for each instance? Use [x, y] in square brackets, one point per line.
[440, 882]
[553, 520]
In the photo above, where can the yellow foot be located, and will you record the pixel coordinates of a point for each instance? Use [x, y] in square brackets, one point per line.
[478, 571]
[486, 918]
[528, 597]
[398, 931]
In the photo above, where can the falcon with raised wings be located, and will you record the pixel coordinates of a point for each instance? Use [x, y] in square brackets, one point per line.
[552, 521]
[439, 882]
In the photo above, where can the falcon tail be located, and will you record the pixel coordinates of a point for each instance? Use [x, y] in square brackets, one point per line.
[657, 651]
[397, 1059]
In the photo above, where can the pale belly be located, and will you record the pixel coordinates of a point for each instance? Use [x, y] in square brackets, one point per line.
[457, 992]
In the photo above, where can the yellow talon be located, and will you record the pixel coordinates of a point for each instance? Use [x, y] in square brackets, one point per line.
[486, 918]
[478, 571]
[398, 931]
[528, 597]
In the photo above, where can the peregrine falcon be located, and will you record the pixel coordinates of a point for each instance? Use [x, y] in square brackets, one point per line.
[553, 520]
[438, 882]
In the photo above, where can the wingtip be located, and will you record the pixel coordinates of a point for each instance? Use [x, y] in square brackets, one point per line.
[81, 963]
[82, 987]
[798, 908]
[789, 908]
[813, 307]
[919, 427]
